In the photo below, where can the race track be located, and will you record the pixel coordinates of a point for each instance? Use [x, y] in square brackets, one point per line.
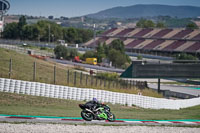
[75, 120]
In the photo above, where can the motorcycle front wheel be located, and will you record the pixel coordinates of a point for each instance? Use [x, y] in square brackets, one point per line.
[87, 115]
[111, 117]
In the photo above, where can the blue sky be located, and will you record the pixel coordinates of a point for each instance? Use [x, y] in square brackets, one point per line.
[72, 8]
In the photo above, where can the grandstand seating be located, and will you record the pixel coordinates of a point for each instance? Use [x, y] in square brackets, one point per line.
[150, 34]
[143, 44]
[124, 32]
[163, 45]
[165, 40]
[127, 41]
[162, 33]
[134, 43]
[115, 32]
[88, 43]
[132, 33]
[122, 39]
[174, 45]
[182, 33]
[192, 34]
[185, 46]
[109, 31]
[110, 40]
[172, 33]
[197, 37]
[195, 47]
[142, 32]
[100, 40]
[153, 44]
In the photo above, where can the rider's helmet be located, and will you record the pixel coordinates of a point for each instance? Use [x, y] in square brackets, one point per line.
[95, 100]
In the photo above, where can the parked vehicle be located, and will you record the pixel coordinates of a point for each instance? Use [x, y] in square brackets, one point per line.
[77, 59]
[92, 61]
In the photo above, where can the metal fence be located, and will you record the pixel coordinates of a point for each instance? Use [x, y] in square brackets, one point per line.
[32, 43]
[51, 73]
[26, 50]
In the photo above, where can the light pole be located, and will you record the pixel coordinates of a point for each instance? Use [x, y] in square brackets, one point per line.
[94, 35]
[49, 33]
[39, 38]
[52, 37]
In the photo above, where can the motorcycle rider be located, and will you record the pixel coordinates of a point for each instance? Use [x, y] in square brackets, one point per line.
[94, 110]
[94, 104]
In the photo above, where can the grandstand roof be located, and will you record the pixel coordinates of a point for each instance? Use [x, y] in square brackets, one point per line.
[179, 40]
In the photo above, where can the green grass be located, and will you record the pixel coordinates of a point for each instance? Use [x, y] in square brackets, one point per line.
[18, 104]
[22, 69]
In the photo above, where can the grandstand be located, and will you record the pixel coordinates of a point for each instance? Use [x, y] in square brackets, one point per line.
[152, 40]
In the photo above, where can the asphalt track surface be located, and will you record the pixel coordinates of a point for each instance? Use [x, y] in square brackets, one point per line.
[176, 88]
[75, 120]
[88, 66]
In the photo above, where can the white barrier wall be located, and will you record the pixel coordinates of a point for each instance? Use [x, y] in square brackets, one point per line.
[65, 92]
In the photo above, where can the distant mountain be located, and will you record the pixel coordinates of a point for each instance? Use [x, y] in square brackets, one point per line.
[138, 11]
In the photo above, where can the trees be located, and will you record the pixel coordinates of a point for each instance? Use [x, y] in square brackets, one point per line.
[21, 24]
[84, 35]
[115, 53]
[73, 35]
[117, 45]
[30, 32]
[149, 24]
[72, 53]
[140, 23]
[44, 30]
[143, 23]
[60, 51]
[15, 30]
[192, 26]
[177, 22]
[21, 30]
[100, 52]
[64, 52]
[55, 31]
[11, 31]
[160, 25]
[50, 17]
[47, 28]
[184, 56]
[118, 59]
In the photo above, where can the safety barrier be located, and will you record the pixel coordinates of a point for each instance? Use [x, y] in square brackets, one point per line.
[65, 92]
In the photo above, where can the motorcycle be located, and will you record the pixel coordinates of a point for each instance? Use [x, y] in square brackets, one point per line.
[101, 113]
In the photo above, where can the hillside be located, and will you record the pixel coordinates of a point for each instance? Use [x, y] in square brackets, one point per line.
[22, 69]
[138, 11]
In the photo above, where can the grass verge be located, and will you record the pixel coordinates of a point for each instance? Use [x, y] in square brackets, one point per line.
[22, 69]
[18, 104]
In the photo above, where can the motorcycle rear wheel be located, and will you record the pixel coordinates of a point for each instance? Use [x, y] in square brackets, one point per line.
[87, 116]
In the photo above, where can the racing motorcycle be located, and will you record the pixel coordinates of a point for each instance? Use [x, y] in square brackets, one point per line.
[101, 113]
